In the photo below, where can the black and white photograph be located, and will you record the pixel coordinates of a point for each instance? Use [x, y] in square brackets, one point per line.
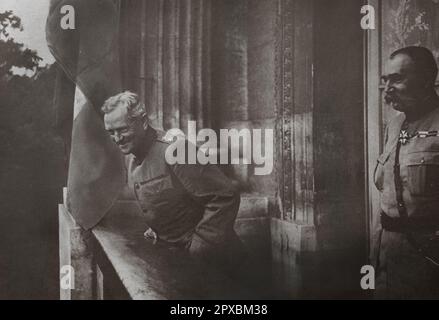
[216, 150]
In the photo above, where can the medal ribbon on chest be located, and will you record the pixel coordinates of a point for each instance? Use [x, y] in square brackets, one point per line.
[404, 136]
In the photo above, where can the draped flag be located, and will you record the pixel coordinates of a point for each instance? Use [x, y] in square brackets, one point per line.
[88, 55]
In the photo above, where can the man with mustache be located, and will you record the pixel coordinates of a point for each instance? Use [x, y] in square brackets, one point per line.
[187, 206]
[406, 251]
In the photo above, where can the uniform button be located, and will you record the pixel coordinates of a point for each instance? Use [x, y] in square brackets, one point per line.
[422, 161]
[400, 204]
[136, 185]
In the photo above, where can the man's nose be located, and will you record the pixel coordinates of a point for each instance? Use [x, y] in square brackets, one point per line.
[117, 137]
[388, 87]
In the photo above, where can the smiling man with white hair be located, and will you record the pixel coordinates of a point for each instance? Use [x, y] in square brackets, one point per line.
[191, 206]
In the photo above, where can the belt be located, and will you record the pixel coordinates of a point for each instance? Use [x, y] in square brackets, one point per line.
[407, 224]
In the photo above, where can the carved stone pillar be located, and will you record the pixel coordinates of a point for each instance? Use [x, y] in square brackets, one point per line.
[295, 228]
[320, 164]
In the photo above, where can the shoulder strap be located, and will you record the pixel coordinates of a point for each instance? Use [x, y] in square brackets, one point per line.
[402, 210]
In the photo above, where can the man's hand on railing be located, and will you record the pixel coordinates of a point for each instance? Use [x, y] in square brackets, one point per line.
[151, 235]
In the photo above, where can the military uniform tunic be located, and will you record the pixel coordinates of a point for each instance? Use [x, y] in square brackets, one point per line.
[188, 205]
[402, 271]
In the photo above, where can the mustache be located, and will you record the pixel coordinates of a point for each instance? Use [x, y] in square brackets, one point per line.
[389, 98]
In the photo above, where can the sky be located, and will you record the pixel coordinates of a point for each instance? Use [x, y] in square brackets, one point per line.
[33, 14]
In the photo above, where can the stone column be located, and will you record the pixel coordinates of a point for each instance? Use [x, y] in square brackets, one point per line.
[294, 228]
[320, 128]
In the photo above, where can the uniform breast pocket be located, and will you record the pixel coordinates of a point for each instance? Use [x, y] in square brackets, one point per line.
[379, 170]
[154, 187]
[423, 173]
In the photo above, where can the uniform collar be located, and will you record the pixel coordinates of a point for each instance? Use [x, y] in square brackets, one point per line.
[150, 136]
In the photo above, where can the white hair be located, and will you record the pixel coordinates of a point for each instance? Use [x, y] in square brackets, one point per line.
[128, 100]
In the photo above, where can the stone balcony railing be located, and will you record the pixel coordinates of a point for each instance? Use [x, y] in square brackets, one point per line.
[115, 261]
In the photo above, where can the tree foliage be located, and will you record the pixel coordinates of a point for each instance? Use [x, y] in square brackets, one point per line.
[32, 170]
[9, 20]
[12, 53]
